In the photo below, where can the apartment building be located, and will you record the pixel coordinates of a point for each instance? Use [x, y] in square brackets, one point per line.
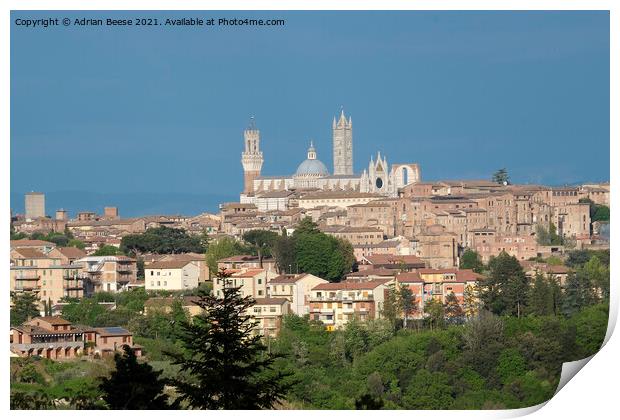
[335, 304]
[171, 275]
[295, 288]
[107, 274]
[269, 313]
[49, 277]
[246, 261]
[251, 281]
[437, 284]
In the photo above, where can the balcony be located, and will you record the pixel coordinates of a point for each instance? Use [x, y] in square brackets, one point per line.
[122, 269]
[27, 288]
[70, 276]
[77, 285]
[27, 276]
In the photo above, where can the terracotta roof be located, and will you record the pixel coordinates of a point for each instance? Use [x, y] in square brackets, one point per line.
[285, 279]
[54, 320]
[409, 277]
[373, 272]
[71, 252]
[375, 259]
[249, 273]
[30, 242]
[172, 264]
[461, 275]
[30, 253]
[350, 285]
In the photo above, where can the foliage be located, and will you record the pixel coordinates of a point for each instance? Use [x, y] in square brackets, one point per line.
[77, 244]
[107, 250]
[161, 240]
[24, 307]
[471, 260]
[222, 248]
[548, 235]
[322, 255]
[228, 364]
[133, 385]
[504, 290]
[263, 241]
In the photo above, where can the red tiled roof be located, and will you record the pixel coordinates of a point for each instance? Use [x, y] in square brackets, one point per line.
[172, 264]
[393, 259]
[30, 242]
[409, 277]
[30, 253]
[249, 273]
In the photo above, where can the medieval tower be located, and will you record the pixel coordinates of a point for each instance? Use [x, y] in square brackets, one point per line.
[342, 132]
[251, 158]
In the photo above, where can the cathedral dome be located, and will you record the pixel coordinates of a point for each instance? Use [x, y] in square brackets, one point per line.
[312, 166]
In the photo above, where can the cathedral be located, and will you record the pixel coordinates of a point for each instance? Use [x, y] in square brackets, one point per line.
[312, 174]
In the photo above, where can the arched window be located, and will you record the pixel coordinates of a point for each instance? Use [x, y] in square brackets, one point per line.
[405, 175]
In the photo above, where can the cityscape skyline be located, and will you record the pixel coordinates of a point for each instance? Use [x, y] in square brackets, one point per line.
[431, 88]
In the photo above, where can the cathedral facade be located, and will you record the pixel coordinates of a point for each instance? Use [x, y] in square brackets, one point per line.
[312, 174]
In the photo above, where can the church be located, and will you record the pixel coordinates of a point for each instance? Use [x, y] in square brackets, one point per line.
[313, 175]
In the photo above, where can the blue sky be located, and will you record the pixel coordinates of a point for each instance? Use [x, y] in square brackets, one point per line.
[163, 109]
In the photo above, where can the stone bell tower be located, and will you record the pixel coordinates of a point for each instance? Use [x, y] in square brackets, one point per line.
[342, 135]
[251, 158]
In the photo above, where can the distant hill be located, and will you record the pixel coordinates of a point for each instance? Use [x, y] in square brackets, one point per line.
[129, 204]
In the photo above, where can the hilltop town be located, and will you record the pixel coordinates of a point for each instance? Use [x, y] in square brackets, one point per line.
[334, 248]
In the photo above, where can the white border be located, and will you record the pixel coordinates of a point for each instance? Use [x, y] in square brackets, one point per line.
[593, 393]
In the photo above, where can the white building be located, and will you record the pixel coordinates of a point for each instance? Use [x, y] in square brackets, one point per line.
[295, 288]
[171, 275]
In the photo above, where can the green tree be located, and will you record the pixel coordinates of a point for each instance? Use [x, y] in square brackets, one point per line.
[453, 309]
[436, 313]
[578, 293]
[77, 243]
[107, 250]
[501, 177]
[25, 305]
[598, 275]
[392, 306]
[470, 301]
[407, 303]
[162, 240]
[133, 385]
[471, 260]
[541, 299]
[228, 365]
[223, 247]
[284, 253]
[504, 291]
[262, 240]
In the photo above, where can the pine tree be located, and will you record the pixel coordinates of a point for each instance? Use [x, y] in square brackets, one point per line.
[504, 291]
[24, 307]
[133, 385]
[452, 308]
[228, 365]
[407, 303]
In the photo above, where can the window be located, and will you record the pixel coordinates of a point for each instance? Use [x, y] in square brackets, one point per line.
[158, 283]
[152, 283]
[272, 309]
[260, 281]
[152, 272]
[165, 283]
[260, 293]
[105, 340]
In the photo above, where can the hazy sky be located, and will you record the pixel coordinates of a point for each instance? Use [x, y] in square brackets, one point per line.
[163, 109]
